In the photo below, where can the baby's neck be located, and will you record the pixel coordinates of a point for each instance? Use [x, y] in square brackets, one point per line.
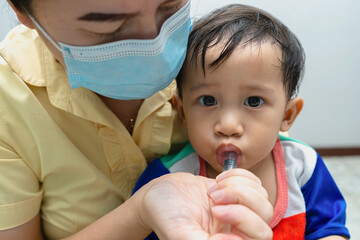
[267, 174]
[210, 172]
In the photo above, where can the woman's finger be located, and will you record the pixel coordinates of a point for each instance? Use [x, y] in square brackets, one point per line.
[243, 221]
[225, 236]
[240, 181]
[246, 196]
[238, 172]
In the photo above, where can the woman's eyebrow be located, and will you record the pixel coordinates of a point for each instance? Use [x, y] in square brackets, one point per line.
[111, 17]
[105, 17]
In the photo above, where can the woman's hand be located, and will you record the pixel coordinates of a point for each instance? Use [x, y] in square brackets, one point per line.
[180, 206]
[177, 206]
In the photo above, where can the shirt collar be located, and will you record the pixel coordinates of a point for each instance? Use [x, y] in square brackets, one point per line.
[32, 61]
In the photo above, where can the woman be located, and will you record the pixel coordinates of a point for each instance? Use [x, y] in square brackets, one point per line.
[83, 108]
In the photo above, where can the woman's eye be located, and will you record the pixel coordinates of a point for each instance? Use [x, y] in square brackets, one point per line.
[207, 101]
[254, 102]
[112, 36]
[172, 7]
[109, 37]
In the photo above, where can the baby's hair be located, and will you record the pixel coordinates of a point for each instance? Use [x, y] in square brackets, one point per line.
[241, 24]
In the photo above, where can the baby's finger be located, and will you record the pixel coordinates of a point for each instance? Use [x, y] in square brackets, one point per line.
[243, 221]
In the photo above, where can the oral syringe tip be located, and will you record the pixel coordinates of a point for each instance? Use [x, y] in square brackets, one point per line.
[229, 160]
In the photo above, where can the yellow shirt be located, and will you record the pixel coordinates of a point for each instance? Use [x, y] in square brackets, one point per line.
[62, 151]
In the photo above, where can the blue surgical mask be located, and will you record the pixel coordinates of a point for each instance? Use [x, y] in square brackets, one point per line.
[129, 69]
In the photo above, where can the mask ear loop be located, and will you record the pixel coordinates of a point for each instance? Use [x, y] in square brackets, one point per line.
[43, 31]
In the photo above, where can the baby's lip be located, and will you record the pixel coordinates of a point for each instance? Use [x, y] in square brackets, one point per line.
[227, 148]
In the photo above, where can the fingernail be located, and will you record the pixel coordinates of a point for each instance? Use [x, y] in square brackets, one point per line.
[221, 176]
[212, 189]
[217, 195]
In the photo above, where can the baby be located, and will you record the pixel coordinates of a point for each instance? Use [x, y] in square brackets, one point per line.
[236, 91]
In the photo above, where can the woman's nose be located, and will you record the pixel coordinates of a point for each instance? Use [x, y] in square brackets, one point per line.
[229, 125]
[148, 27]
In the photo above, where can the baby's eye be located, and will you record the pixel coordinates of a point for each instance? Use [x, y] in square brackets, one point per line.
[207, 101]
[254, 102]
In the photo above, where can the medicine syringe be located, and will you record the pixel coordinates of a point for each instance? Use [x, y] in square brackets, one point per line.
[229, 160]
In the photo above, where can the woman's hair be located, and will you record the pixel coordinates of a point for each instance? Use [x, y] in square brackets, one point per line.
[22, 5]
[240, 24]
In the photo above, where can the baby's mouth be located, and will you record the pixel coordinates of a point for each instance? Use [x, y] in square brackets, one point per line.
[225, 151]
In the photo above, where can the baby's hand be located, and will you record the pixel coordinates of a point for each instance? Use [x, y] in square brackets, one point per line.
[240, 201]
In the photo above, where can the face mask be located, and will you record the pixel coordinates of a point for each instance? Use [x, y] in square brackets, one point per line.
[129, 69]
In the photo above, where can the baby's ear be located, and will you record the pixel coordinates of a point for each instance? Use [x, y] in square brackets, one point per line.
[293, 108]
[177, 101]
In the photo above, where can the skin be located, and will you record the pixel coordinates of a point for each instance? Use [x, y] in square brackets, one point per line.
[139, 215]
[241, 105]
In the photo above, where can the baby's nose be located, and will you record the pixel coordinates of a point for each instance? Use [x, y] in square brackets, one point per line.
[229, 124]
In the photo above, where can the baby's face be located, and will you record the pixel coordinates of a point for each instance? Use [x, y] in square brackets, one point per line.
[238, 106]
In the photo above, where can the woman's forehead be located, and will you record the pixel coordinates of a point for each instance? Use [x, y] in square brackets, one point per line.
[106, 6]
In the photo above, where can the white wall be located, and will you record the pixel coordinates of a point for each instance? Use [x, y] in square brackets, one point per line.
[7, 18]
[329, 32]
